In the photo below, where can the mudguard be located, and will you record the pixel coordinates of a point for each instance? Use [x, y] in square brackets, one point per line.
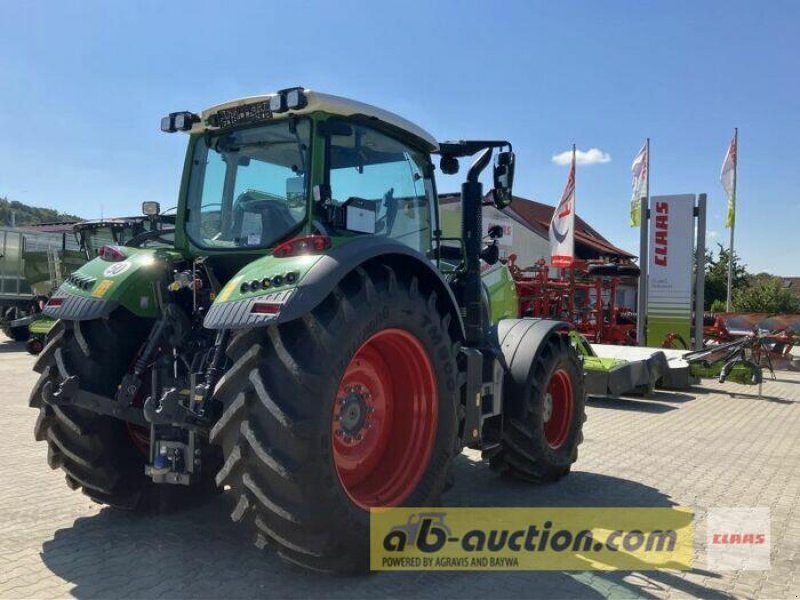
[521, 340]
[316, 277]
[99, 287]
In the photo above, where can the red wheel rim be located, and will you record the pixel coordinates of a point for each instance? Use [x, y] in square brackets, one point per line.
[384, 419]
[558, 409]
[140, 436]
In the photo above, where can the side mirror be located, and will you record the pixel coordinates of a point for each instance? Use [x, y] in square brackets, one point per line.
[503, 179]
[448, 165]
[490, 254]
[495, 232]
[151, 209]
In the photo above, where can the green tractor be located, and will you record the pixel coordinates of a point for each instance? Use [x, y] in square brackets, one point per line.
[308, 341]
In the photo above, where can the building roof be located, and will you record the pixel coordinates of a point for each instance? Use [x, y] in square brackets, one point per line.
[536, 217]
[792, 285]
[54, 227]
[536, 214]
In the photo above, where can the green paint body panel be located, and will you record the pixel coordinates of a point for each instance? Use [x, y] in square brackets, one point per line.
[42, 326]
[127, 282]
[740, 373]
[592, 362]
[503, 300]
[266, 267]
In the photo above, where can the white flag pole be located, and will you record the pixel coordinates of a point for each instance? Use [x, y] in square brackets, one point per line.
[729, 297]
[644, 203]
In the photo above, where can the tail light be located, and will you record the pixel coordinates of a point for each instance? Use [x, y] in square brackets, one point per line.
[111, 253]
[309, 244]
[55, 302]
[266, 308]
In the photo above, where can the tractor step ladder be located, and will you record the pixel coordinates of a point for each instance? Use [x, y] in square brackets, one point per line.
[54, 266]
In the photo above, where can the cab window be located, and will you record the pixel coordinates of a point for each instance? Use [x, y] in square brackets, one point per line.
[377, 178]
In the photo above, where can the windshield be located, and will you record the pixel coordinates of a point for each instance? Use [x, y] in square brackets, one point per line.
[248, 187]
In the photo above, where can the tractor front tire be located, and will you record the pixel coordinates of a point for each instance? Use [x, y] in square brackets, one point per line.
[350, 407]
[99, 454]
[544, 409]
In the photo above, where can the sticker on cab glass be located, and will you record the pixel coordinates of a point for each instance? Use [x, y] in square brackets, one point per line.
[102, 288]
[117, 269]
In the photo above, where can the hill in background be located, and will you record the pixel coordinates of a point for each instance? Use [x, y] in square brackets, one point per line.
[30, 215]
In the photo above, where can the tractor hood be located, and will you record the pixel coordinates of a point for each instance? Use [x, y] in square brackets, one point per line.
[99, 286]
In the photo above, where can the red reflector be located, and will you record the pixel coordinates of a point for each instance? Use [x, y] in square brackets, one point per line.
[266, 308]
[55, 302]
[111, 253]
[308, 244]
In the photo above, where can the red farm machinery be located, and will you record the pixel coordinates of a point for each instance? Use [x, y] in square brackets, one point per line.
[584, 295]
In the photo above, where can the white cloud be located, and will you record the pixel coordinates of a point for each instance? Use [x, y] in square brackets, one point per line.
[712, 234]
[592, 156]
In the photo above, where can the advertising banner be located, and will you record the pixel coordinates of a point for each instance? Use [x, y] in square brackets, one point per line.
[669, 297]
[530, 539]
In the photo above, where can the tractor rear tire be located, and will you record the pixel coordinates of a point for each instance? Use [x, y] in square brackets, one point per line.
[98, 453]
[544, 407]
[353, 405]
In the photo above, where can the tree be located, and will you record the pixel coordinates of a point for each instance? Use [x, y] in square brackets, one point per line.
[765, 293]
[717, 277]
[29, 215]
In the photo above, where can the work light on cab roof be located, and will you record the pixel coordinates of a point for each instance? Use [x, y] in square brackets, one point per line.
[283, 100]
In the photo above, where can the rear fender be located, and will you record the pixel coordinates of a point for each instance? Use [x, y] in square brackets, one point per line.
[99, 287]
[521, 341]
[316, 279]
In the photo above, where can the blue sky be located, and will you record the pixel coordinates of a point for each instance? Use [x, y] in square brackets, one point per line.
[83, 86]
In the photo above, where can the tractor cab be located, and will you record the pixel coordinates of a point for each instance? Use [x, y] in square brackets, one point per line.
[122, 231]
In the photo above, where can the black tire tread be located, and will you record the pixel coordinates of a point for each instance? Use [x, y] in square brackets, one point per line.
[270, 396]
[95, 451]
[521, 454]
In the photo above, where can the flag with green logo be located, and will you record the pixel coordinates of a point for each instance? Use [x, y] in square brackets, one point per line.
[639, 169]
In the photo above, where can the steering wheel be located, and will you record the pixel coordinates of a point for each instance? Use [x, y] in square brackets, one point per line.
[151, 236]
